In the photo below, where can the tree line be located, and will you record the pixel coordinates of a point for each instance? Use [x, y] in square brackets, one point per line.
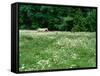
[58, 18]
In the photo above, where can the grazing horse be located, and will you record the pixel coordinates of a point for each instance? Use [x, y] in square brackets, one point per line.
[42, 29]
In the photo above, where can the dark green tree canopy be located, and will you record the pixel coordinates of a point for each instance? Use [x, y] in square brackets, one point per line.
[57, 18]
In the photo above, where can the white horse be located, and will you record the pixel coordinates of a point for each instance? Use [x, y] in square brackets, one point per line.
[42, 29]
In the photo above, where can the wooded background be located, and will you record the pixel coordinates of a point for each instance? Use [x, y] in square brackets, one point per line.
[59, 18]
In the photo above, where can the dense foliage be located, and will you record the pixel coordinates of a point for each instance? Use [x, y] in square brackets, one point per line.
[57, 18]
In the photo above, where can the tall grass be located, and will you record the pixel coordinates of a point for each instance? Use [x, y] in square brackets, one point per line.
[56, 50]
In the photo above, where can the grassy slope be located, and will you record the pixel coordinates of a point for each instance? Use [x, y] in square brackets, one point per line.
[56, 50]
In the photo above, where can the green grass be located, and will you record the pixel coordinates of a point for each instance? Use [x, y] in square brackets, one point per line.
[56, 50]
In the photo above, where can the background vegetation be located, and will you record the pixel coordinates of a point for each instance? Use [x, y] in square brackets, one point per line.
[57, 18]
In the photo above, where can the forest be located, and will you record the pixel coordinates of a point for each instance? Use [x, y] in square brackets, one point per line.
[57, 18]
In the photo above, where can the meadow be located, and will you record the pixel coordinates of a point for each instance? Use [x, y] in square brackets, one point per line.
[56, 50]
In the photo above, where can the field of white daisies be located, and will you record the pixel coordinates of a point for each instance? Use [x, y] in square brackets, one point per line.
[56, 50]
